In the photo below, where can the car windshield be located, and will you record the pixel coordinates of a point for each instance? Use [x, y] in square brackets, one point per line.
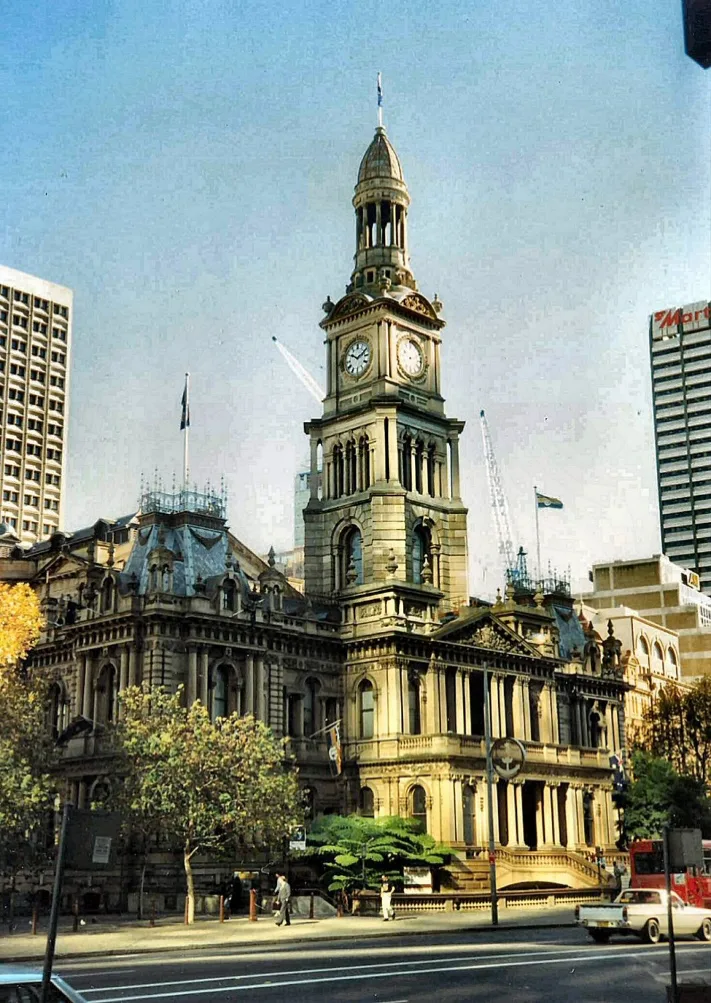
[639, 896]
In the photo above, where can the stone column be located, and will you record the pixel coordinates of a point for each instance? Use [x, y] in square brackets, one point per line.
[518, 714]
[511, 815]
[431, 723]
[526, 698]
[393, 448]
[261, 694]
[442, 700]
[467, 704]
[132, 657]
[571, 817]
[555, 732]
[313, 485]
[459, 696]
[87, 701]
[546, 728]
[79, 689]
[249, 684]
[580, 812]
[123, 672]
[205, 677]
[494, 705]
[192, 676]
[518, 794]
[455, 466]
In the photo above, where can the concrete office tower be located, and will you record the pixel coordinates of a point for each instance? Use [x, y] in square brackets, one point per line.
[680, 349]
[35, 344]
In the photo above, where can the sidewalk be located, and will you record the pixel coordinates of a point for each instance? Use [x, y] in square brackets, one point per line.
[112, 936]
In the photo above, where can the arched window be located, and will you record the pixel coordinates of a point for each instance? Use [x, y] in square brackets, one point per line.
[657, 656]
[153, 578]
[364, 462]
[672, 662]
[366, 699]
[588, 819]
[351, 558]
[310, 722]
[58, 709]
[468, 810]
[220, 692]
[418, 806]
[431, 470]
[367, 803]
[107, 596]
[642, 650]
[107, 695]
[421, 548]
[337, 471]
[229, 596]
[351, 468]
[413, 706]
[419, 460]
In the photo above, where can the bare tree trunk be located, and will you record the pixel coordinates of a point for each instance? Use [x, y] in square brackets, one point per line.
[142, 886]
[190, 882]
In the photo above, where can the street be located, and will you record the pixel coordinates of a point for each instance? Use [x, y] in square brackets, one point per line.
[555, 965]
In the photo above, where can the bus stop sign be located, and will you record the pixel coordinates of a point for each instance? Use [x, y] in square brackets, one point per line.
[685, 849]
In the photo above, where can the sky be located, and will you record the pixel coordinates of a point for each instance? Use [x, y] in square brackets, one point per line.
[187, 168]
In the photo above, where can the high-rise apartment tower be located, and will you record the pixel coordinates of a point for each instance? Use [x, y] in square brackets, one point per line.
[35, 344]
[680, 349]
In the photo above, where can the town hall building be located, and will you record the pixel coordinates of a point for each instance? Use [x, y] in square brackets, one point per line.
[384, 640]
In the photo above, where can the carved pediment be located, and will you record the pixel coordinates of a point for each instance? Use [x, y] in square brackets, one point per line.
[349, 304]
[486, 632]
[419, 304]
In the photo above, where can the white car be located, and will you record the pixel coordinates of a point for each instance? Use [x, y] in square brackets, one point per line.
[24, 985]
[643, 912]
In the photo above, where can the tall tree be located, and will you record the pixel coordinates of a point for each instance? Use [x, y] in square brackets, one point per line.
[21, 621]
[658, 795]
[677, 727]
[203, 785]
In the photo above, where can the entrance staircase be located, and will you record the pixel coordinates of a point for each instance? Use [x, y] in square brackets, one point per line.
[565, 868]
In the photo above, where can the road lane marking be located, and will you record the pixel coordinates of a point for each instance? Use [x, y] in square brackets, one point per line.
[276, 983]
[409, 962]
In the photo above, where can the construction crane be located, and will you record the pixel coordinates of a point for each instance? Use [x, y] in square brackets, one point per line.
[514, 563]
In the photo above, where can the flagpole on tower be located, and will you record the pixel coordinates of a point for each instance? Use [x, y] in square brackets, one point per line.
[185, 426]
[538, 533]
[380, 101]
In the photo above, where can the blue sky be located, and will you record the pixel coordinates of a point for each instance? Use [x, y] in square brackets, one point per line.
[187, 169]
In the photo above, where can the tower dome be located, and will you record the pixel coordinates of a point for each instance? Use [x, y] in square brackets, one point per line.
[380, 160]
[381, 201]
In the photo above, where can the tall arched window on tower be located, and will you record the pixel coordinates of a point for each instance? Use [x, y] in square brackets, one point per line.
[351, 571]
[413, 705]
[310, 705]
[406, 476]
[421, 548]
[366, 702]
[419, 463]
[351, 485]
[337, 471]
[107, 596]
[418, 806]
[367, 803]
[107, 695]
[58, 713]
[364, 462]
[431, 469]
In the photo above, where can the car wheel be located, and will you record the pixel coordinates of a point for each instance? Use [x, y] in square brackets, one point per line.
[705, 930]
[652, 933]
[600, 936]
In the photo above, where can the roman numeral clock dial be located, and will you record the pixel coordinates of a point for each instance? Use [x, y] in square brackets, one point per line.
[357, 358]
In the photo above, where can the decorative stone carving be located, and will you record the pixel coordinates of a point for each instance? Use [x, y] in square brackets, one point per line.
[349, 304]
[368, 610]
[418, 304]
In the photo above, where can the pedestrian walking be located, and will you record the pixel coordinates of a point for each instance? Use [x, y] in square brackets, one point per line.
[282, 897]
[386, 898]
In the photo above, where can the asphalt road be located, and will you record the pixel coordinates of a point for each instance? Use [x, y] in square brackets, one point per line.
[525, 966]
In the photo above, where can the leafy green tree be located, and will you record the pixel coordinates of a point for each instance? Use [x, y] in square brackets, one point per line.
[203, 785]
[677, 727]
[658, 795]
[27, 790]
[353, 852]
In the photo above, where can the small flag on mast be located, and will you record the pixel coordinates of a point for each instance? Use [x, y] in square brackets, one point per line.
[185, 416]
[380, 91]
[545, 501]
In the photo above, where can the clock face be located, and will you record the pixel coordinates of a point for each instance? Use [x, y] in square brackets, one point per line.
[357, 358]
[409, 355]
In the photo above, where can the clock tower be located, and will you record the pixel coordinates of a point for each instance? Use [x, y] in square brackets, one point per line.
[385, 513]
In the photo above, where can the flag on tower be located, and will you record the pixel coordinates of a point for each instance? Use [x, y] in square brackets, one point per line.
[545, 501]
[185, 416]
[380, 91]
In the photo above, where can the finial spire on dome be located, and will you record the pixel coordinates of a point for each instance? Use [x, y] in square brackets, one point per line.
[380, 100]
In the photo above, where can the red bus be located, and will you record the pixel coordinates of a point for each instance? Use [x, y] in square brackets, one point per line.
[647, 871]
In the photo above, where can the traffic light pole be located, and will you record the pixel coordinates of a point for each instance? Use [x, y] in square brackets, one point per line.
[56, 900]
[490, 800]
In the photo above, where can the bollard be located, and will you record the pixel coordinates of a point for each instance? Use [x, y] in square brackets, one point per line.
[152, 921]
[186, 910]
[252, 905]
[35, 912]
[222, 908]
[311, 906]
[75, 910]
